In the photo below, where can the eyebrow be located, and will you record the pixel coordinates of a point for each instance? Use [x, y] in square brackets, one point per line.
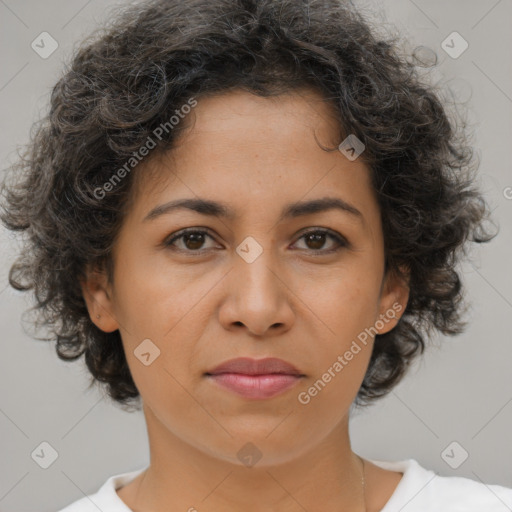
[292, 210]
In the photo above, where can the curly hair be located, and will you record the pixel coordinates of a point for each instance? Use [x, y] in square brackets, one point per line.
[129, 76]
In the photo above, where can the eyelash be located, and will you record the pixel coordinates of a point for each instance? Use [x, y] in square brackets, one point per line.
[342, 242]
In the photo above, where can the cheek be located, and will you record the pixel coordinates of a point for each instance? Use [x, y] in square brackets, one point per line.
[345, 301]
[151, 296]
[161, 313]
[343, 310]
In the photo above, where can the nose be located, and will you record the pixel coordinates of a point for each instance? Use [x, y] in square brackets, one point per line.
[257, 297]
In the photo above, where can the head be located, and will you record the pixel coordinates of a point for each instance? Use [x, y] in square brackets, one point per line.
[246, 105]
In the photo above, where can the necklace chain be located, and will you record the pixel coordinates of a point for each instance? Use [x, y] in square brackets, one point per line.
[363, 481]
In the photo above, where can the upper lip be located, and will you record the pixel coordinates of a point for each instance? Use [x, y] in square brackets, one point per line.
[248, 366]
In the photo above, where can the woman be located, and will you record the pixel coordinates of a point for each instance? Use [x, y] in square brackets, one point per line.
[247, 216]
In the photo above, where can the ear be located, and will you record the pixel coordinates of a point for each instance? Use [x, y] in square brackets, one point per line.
[97, 293]
[393, 300]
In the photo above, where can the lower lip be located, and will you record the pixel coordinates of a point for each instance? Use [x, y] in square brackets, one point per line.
[256, 386]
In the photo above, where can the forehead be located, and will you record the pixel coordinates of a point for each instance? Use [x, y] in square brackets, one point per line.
[241, 123]
[255, 146]
[242, 107]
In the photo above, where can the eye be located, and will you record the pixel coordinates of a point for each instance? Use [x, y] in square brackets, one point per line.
[315, 240]
[192, 240]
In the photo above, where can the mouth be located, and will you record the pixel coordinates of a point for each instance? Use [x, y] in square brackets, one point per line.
[255, 379]
[256, 386]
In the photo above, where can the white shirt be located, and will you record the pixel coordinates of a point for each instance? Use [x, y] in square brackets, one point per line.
[419, 490]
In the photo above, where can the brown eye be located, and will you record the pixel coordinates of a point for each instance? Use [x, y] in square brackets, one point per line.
[316, 239]
[192, 240]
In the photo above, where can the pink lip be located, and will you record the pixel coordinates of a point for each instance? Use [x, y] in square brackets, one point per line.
[256, 378]
[256, 386]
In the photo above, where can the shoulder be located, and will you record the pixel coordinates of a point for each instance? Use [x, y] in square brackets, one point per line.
[423, 490]
[106, 498]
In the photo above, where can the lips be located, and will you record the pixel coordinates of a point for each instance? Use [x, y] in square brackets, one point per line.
[248, 366]
[257, 379]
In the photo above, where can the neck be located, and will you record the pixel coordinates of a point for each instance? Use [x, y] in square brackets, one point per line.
[186, 476]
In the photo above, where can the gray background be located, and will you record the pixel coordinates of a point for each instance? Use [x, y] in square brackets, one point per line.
[460, 391]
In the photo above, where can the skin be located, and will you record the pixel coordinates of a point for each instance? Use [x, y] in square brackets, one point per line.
[208, 305]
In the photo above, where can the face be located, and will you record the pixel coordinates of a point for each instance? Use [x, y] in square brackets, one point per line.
[271, 278]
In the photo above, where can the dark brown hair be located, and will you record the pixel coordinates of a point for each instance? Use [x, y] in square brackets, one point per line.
[130, 77]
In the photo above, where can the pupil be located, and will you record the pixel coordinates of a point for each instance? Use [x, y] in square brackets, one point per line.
[195, 238]
[317, 239]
